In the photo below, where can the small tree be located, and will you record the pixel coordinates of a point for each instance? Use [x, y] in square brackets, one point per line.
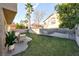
[38, 16]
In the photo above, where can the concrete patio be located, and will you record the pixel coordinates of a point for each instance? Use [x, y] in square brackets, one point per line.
[19, 47]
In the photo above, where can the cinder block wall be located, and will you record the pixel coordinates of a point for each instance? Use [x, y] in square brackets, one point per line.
[62, 33]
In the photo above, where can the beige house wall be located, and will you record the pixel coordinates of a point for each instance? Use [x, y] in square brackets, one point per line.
[3, 24]
[52, 21]
[2, 31]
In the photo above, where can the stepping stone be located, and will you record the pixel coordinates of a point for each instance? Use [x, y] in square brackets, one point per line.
[28, 39]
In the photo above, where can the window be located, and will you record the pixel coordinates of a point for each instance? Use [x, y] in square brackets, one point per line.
[53, 21]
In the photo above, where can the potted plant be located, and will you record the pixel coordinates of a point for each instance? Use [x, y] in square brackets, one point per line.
[10, 40]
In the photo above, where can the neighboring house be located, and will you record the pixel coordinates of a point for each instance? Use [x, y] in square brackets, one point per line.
[52, 21]
[7, 14]
[36, 26]
[12, 26]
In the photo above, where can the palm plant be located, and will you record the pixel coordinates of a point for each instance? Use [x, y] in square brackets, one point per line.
[10, 38]
[29, 9]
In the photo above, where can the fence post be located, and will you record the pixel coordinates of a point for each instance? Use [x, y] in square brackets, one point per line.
[77, 34]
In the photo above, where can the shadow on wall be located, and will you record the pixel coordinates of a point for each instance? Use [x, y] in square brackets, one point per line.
[59, 32]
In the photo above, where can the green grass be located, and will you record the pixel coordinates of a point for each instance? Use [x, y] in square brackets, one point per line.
[50, 46]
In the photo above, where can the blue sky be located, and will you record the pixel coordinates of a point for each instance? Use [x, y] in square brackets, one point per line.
[48, 8]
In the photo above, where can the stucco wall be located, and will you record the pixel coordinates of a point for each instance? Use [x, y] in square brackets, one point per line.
[2, 33]
[3, 25]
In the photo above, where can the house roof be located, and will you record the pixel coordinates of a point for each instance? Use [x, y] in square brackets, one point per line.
[48, 17]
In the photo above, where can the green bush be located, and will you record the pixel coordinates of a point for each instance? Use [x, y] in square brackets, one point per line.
[68, 14]
[17, 26]
[20, 26]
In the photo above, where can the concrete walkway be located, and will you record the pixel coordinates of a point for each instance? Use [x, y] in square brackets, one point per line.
[19, 47]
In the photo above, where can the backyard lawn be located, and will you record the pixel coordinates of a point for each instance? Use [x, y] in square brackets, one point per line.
[50, 46]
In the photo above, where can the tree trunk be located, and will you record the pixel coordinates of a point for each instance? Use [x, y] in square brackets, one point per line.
[29, 25]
